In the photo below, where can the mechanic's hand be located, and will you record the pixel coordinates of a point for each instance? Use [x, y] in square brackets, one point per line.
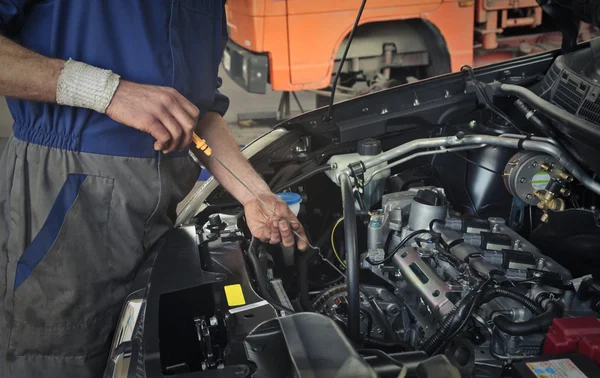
[160, 111]
[274, 229]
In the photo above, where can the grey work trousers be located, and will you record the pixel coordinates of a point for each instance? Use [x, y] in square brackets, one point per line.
[74, 228]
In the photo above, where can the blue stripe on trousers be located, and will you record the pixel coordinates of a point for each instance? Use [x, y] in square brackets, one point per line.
[49, 231]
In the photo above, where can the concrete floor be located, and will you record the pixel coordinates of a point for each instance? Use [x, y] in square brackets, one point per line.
[240, 102]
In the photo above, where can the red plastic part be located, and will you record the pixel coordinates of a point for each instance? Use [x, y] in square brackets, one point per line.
[590, 346]
[574, 335]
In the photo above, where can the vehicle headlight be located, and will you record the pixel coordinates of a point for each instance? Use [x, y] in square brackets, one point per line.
[120, 352]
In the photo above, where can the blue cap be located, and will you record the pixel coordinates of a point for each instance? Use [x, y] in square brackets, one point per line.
[290, 198]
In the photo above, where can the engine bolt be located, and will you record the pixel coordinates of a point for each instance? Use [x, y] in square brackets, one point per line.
[522, 179]
[472, 124]
[495, 228]
[529, 196]
[534, 165]
[214, 321]
[540, 263]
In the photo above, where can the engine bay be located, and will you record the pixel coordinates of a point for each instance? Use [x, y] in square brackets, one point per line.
[460, 248]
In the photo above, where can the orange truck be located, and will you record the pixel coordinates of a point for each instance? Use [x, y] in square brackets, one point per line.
[295, 45]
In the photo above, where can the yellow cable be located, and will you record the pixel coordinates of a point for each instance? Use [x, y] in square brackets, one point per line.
[333, 244]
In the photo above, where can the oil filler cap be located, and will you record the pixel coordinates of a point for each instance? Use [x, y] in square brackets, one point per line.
[369, 147]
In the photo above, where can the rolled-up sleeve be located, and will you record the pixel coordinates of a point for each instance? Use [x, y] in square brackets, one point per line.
[11, 12]
[221, 102]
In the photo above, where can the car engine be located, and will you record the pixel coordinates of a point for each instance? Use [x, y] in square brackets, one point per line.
[433, 282]
[422, 277]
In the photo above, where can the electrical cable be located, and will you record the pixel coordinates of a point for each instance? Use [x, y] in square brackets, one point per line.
[469, 312]
[477, 164]
[454, 321]
[339, 71]
[398, 247]
[441, 244]
[299, 179]
[333, 242]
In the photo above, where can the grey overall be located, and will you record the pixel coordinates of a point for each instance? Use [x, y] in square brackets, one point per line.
[106, 212]
[82, 197]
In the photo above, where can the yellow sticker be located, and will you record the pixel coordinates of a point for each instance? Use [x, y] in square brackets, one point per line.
[235, 295]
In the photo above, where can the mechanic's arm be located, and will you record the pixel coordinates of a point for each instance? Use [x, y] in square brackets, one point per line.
[262, 223]
[160, 111]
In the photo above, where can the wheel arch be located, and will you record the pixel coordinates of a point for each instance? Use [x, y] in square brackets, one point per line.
[409, 35]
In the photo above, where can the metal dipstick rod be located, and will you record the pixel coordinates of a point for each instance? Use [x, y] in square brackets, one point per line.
[203, 146]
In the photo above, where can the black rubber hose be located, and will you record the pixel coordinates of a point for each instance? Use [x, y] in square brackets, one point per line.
[352, 268]
[537, 324]
[546, 129]
[299, 179]
[552, 110]
[262, 283]
[495, 292]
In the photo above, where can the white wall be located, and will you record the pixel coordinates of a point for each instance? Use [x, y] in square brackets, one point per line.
[5, 119]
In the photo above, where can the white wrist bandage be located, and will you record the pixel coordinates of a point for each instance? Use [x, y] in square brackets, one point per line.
[86, 86]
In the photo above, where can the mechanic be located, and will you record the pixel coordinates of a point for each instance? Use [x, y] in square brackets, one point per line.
[105, 95]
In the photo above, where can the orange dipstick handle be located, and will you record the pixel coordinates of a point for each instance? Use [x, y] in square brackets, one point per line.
[201, 145]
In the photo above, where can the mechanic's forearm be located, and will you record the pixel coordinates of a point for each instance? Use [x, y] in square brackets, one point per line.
[215, 131]
[26, 74]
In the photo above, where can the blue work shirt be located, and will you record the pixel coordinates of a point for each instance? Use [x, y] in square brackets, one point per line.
[175, 43]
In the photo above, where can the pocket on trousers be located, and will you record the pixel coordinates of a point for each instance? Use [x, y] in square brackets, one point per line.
[62, 297]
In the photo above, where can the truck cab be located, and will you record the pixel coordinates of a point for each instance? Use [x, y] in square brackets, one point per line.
[293, 45]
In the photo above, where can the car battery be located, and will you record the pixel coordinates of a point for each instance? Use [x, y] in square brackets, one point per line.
[556, 366]
[574, 335]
